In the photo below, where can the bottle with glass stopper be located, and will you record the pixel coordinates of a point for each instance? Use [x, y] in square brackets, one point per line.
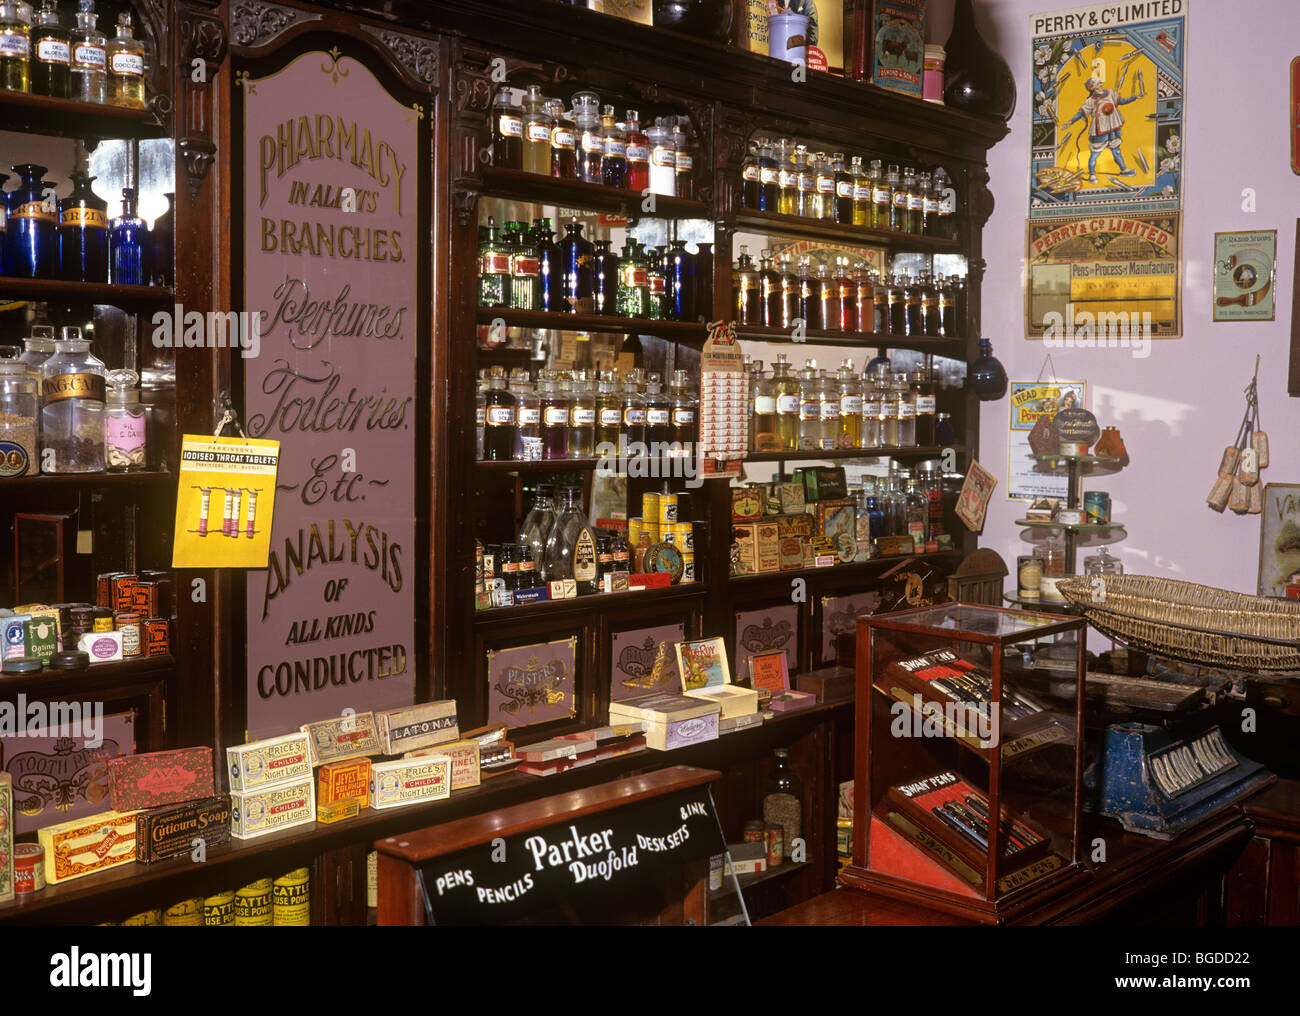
[125, 66]
[128, 241]
[51, 68]
[124, 423]
[89, 56]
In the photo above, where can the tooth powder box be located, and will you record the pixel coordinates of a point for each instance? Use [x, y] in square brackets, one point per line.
[158, 778]
[340, 781]
[171, 832]
[84, 846]
[418, 726]
[274, 760]
[272, 809]
[342, 737]
[409, 781]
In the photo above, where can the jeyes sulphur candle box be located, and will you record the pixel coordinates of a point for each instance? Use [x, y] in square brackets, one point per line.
[339, 781]
[417, 726]
[170, 832]
[409, 781]
[342, 737]
[271, 809]
[84, 846]
[274, 760]
[160, 777]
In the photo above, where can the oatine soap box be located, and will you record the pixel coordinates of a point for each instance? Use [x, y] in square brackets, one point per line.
[160, 777]
[273, 808]
[419, 726]
[410, 781]
[274, 760]
[84, 846]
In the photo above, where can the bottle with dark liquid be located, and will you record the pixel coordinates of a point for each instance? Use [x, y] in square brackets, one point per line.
[51, 67]
[500, 418]
[577, 257]
[959, 304]
[555, 416]
[828, 298]
[613, 164]
[550, 279]
[789, 291]
[83, 233]
[947, 308]
[162, 248]
[864, 304]
[507, 131]
[913, 305]
[32, 227]
[749, 306]
[768, 182]
[929, 317]
[564, 156]
[809, 305]
[750, 178]
[846, 296]
[896, 295]
[656, 284]
[923, 394]
[679, 304]
[604, 286]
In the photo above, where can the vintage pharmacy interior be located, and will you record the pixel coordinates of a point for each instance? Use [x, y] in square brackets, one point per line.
[784, 435]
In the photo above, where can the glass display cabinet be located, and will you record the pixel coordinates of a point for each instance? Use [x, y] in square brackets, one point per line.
[960, 719]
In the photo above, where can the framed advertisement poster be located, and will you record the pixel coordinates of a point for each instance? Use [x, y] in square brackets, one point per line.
[532, 684]
[1032, 401]
[643, 661]
[1245, 275]
[765, 631]
[1279, 537]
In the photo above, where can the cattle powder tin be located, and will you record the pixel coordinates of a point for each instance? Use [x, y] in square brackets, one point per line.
[291, 899]
[219, 910]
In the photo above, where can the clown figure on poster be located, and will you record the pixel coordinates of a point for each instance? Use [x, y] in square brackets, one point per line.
[1105, 124]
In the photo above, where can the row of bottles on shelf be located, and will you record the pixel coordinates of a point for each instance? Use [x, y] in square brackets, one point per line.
[784, 177]
[587, 142]
[568, 414]
[843, 409]
[524, 268]
[61, 411]
[72, 238]
[41, 54]
[903, 503]
[851, 298]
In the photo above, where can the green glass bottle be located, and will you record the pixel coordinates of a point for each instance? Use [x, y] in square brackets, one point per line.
[493, 269]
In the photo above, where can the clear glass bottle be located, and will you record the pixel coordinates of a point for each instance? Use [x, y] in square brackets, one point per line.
[906, 411]
[783, 798]
[749, 304]
[72, 407]
[658, 413]
[930, 484]
[805, 182]
[914, 201]
[528, 417]
[823, 201]
[870, 412]
[685, 156]
[37, 348]
[570, 551]
[19, 420]
[789, 291]
[895, 505]
[897, 201]
[507, 131]
[564, 156]
[929, 203]
[124, 423]
[501, 419]
[89, 56]
[634, 409]
[537, 133]
[827, 294]
[787, 404]
[125, 66]
[787, 178]
[582, 417]
[888, 411]
[555, 416]
[754, 375]
[769, 290]
[845, 178]
[15, 47]
[849, 390]
[480, 413]
[128, 242]
[51, 65]
[613, 164]
[882, 197]
[861, 208]
[829, 397]
[638, 154]
[609, 409]
[846, 296]
[663, 160]
[685, 412]
[918, 514]
[810, 411]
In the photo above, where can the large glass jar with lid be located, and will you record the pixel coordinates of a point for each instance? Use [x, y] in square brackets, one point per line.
[72, 407]
[124, 423]
[19, 415]
[810, 425]
[37, 348]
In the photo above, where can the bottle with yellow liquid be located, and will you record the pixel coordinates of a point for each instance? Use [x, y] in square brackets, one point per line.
[125, 66]
[15, 48]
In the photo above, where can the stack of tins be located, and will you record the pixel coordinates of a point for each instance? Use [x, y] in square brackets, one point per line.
[284, 902]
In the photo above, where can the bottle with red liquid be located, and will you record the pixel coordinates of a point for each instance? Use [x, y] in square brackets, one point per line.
[638, 154]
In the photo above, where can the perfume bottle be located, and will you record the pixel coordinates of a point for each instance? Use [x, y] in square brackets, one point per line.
[126, 66]
[83, 233]
[124, 423]
[128, 242]
[15, 47]
[89, 57]
[33, 226]
[51, 67]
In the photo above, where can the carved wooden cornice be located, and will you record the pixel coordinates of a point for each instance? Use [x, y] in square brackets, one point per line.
[255, 23]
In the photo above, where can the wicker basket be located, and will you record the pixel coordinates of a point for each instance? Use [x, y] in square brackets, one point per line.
[1193, 623]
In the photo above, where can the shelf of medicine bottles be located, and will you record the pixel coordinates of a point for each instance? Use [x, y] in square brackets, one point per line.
[71, 118]
[842, 569]
[813, 454]
[822, 337]
[511, 318]
[60, 291]
[823, 229]
[554, 465]
[1083, 527]
[517, 185]
[86, 481]
[594, 600]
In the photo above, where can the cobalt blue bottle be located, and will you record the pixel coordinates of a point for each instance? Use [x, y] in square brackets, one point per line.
[550, 276]
[4, 225]
[576, 257]
[83, 233]
[679, 283]
[128, 239]
[32, 227]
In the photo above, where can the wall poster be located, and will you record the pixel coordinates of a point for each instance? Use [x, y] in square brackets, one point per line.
[1030, 402]
[532, 684]
[1105, 172]
[1245, 275]
[1279, 538]
[335, 239]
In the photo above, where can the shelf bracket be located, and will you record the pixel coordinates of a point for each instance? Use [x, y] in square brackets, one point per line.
[202, 39]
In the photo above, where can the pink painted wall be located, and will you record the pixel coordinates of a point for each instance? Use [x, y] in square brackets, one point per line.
[1178, 408]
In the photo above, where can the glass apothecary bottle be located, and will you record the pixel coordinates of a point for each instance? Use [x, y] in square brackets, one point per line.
[609, 409]
[124, 423]
[480, 413]
[749, 177]
[128, 244]
[787, 404]
[537, 526]
[571, 545]
[658, 412]
[555, 406]
[860, 208]
[849, 389]
[915, 202]
[764, 435]
[19, 419]
[89, 56]
[768, 177]
[769, 290]
[576, 258]
[805, 182]
[51, 67]
[564, 142]
[613, 164]
[582, 417]
[686, 412]
[906, 400]
[870, 412]
[685, 157]
[537, 133]
[493, 267]
[882, 197]
[72, 407]
[897, 201]
[83, 233]
[924, 395]
[15, 47]
[32, 228]
[634, 408]
[501, 419]
[507, 131]
[125, 66]
[528, 417]
[787, 178]
[842, 206]
[748, 297]
[638, 153]
[810, 426]
[809, 302]
[783, 799]
[589, 136]
[663, 160]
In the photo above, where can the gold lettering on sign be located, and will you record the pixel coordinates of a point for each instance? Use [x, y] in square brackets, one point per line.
[309, 139]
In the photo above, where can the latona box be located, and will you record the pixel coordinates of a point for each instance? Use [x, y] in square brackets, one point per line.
[274, 760]
[410, 781]
[170, 832]
[418, 726]
[87, 845]
[342, 737]
[160, 777]
[273, 808]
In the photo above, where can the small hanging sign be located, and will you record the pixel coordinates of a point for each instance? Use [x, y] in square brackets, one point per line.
[224, 502]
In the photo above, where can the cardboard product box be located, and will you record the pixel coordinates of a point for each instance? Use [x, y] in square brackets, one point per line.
[418, 726]
[269, 761]
[273, 808]
[744, 548]
[43, 636]
[465, 761]
[827, 683]
[342, 737]
[767, 546]
[822, 483]
[800, 524]
[337, 811]
[745, 859]
[6, 837]
[159, 778]
[732, 699]
[162, 833]
[672, 721]
[837, 520]
[792, 551]
[410, 781]
[339, 781]
[86, 845]
[790, 494]
[745, 721]
[746, 504]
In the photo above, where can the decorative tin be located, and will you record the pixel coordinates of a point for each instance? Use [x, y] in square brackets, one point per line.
[1097, 504]
[144, 919]
[171, 832]
[158, 778]
[219, 910]
[253, 905]
[1077, 429]
[274, 760]
[29, 868]
[342, 737]
[291, 899]
[338, 781]
[409, 781]
[87, 845]
[185, 914]
[746, 506]
[272, 809]
[417, 726]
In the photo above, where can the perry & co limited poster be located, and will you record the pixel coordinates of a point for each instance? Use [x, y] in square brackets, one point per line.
[331, 261]
[1106, 172]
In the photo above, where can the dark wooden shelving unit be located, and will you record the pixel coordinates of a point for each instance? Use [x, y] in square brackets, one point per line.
[814, 454]
[939, 344]
[30, 485]
[596, 602]
[516, 185]
[752, 220]
[59, 291]
[49, 683]
[71, 118]
[681, 331]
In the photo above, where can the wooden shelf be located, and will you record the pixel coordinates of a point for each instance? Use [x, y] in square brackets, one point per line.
[840, 569]
[563, 465]
[822, 229]
[516, 185]
[880, 340]
[70, 118]
[756, 878]
[85, 481]
[681, 331]
[59, 291]
[597, 601]
[49, 682]
[813, 454]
